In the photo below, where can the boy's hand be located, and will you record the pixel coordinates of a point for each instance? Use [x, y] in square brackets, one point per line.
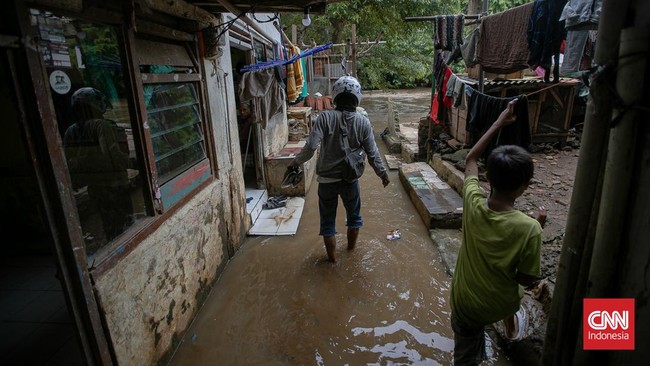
[508, 115]
[541, 217]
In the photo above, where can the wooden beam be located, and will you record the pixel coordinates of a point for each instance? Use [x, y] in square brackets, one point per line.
[182, 9]
[170, 78]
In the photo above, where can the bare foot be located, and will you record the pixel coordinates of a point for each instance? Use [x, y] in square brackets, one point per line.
[330, 247]
[353, 234]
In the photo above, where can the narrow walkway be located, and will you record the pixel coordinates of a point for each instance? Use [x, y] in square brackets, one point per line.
[279, 302]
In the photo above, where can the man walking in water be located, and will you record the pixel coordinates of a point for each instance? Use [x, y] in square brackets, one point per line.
[329, 131]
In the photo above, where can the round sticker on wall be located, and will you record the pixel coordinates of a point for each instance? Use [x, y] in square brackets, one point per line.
[60, 82]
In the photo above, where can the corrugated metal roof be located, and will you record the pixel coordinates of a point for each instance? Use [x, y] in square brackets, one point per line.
[529, 81]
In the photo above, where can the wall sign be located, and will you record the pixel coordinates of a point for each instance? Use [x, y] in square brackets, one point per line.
[60, 82]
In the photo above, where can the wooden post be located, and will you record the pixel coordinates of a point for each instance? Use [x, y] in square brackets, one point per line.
[565, 316]
[433, 94]
[294, 34]
[354, 50]
[619, 170]
[481, 73]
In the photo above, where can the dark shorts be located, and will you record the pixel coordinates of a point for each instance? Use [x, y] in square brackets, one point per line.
[469, 343]
[328, 200]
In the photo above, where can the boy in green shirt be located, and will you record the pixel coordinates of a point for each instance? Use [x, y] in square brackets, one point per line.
[501, 247]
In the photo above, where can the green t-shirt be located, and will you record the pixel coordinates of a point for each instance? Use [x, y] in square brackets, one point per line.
[496, 246]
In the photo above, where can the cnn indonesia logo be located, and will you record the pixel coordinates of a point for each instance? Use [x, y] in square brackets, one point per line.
[608, 324]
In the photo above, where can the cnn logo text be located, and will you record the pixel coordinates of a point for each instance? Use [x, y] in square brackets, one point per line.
[608, 324]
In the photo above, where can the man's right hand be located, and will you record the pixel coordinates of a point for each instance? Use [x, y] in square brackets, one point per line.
[385, 181]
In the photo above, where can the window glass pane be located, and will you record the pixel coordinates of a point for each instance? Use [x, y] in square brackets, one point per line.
[175, 126]
[85, 74]
[259, 51]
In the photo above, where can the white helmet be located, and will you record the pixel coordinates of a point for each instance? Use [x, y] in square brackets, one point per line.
[347, 84]
[91, 97]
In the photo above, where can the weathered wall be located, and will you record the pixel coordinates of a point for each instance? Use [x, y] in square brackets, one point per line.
[276, 133]
[226, 137]
[150, 297]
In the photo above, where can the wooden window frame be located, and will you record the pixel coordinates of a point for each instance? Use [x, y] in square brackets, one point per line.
[135, 235]
[106, 258]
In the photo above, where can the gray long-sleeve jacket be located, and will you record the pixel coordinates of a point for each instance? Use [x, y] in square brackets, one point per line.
[327, 133]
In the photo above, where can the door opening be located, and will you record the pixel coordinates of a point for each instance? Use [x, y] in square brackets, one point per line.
[247, 129]
[37, 326]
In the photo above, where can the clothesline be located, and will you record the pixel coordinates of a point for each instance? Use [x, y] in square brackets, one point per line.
[434, 17]
[541, 90]
[268, 64]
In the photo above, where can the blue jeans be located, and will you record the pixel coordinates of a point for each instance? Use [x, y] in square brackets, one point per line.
[328, 200]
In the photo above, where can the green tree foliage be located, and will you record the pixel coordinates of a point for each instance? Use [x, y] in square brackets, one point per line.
[497, 6]
[405, 60]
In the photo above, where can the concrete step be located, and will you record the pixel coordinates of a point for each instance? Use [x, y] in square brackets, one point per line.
[254, 207]
[436, 202]
[448, 173]
[448, 242]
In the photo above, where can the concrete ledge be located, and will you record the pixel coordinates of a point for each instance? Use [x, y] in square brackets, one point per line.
[448, 173]
[393, 143]
[437, 203]
[448, 242]
[277, 166]
[409, 152]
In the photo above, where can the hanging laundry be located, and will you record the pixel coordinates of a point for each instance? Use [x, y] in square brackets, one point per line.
[468, 49]
[581, 18]
[304, 92]
[438, 77]
[582, 14]
[503, 46]
[264, 89]
[545, 35]
[435, 106]
[590, 48]
[458, 94]
[440, 105]
[445, 99]
[451, 84]
[483, 110]
[573, 52]
[448, 31]
[295, 77]
[454, 96]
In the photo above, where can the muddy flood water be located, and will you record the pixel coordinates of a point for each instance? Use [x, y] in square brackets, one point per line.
[278, 302]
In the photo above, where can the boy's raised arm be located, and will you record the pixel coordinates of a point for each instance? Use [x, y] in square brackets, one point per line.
[505, 118]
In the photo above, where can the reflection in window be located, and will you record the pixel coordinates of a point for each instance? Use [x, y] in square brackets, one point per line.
[174, 123]
[85, 74]
[258, 49]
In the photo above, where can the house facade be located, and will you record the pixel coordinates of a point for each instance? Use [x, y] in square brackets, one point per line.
[123, 158]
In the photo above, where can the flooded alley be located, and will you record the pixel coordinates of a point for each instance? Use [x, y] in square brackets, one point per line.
[279, 302]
